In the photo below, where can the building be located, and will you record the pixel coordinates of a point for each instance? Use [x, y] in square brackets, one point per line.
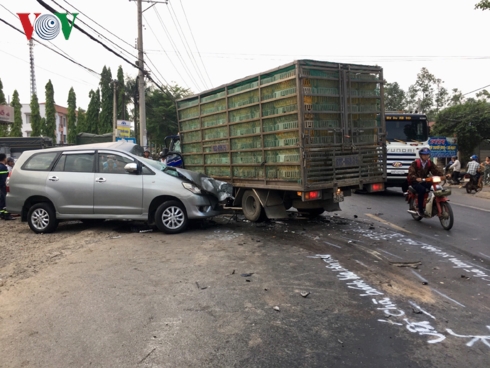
[60, 116]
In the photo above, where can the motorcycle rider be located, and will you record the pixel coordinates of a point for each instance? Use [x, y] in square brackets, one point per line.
[456, 167]
[472, 168]
[418, 171]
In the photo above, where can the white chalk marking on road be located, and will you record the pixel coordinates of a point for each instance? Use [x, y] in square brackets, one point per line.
[361, 263]
[420, 309]
[472, 207]
[387, 223]
[445, 296]
[333, 245]
[391, 254]
[418, 275]
[375, 301]
[484, 255]
[390, 322]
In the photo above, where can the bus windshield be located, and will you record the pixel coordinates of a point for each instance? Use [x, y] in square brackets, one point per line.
[407, 130]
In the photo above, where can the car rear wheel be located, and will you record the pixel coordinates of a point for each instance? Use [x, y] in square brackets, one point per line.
[42, 218]
[171, 217]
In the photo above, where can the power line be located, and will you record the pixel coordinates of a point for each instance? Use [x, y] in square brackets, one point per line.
[183, 39]
[101, 35]
[174, 46]
[195, 44]
[73, 61]
[464, 94]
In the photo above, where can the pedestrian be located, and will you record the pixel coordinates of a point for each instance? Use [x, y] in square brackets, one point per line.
[10, 163]
[4, 172]
[147, 154]
[485, 172]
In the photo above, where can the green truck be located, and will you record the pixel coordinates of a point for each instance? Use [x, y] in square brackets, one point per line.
[14, 146]
[302, 135]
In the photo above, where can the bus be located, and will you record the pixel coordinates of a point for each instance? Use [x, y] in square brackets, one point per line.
[406, 134]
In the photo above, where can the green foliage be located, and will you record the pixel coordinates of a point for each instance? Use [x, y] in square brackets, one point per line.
[49, 128]
[122, 108]
[483, 5]
[93, 112]
[81, 120]
[107, 102]
[456, 98]
[35, 117]
[16, 129]
[469, 122]
[394, 97]
[2, 95]
[72, 117]
[161, 115]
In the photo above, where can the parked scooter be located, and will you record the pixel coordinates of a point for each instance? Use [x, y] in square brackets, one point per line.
[435, 203]
[471, 184]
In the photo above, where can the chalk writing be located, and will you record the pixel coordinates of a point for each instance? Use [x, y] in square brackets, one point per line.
[424, 328]
[474, 339]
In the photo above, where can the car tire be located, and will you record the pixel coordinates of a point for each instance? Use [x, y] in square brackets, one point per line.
[171, 217]
[42, 218]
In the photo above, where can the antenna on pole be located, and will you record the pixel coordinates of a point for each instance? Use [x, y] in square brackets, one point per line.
[33, 72]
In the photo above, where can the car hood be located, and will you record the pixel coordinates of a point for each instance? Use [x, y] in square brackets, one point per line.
[220, 189]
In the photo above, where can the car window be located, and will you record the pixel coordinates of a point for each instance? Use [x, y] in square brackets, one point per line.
[40, 162]
[112, 163]
[83, 162]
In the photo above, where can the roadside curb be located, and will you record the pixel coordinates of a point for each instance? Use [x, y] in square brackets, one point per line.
[484, 193]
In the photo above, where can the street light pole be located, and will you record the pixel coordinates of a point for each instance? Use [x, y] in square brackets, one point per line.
[114, 111]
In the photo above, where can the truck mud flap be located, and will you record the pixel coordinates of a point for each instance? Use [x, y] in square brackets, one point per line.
[272, 203]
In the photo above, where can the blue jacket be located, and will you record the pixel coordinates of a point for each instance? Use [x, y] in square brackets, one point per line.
[4, 173]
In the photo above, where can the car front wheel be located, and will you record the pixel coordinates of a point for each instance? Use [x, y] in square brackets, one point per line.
[171, 217]
[42, 218]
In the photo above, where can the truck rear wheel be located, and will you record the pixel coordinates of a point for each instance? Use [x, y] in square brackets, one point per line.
[251, 206]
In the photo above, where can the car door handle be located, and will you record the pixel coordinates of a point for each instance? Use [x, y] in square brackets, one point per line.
[100, 180]
[53, 178]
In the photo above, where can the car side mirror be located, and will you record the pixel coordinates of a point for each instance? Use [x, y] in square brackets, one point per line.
[131, 167]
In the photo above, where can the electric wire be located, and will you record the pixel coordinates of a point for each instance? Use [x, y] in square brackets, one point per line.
[155, 68]
[187, 48]
[66, 57]
[467, 93]
[174, 46]
[195, 44]
[100, 34]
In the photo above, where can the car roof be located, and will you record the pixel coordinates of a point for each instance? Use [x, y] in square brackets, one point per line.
[120, 145]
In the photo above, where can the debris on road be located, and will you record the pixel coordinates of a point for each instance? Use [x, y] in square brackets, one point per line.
[246, 274]
[233, 272]
[305, 294]
[407, 264]
[276, 308]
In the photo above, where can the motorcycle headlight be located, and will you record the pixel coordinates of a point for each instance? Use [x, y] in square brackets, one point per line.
[436, 179]
[192, 188]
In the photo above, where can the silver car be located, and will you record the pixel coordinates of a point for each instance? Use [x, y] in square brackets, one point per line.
[108, 181]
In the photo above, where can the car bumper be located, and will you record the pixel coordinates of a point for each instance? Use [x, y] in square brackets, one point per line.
[200, 206]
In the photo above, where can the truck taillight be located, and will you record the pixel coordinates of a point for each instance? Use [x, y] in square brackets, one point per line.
[310, 196]
[376, 187]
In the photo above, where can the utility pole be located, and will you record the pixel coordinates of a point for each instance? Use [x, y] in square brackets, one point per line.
[114, 111]
[141, 81]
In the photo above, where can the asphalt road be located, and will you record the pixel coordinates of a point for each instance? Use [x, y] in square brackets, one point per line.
[384, 291]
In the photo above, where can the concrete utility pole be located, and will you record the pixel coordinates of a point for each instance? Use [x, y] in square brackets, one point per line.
[141, 84]
[114, 111]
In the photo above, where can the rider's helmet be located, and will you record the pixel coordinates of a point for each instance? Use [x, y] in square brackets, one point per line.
[424, 151]
[474, 157]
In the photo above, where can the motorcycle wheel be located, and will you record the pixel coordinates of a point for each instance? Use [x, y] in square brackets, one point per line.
[468, 188]
[446, 217]
[412, 207]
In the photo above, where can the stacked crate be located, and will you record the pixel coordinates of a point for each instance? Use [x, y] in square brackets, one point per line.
[286, 127]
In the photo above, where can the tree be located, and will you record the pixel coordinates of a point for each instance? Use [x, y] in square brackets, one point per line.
[122, 108]
[35, 117]
[483, 5]
[161, 116]
[456, 98]
[131, 95]
[394, 97]
[16, 129]
[72, 116]
[2, 96]
[483, 95]
[469, 122]
[107, 101]
[49, 128]
[93, 114]
[4, 128]
[81, 121]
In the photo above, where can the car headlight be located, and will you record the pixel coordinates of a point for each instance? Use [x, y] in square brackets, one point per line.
[192, 188]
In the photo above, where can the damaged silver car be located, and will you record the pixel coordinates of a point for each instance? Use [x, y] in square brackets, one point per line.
[103, 181]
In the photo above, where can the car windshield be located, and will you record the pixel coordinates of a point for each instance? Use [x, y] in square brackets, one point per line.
[160, 166]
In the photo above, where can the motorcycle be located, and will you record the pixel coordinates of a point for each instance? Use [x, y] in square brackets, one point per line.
[435, 203]
[471, 183]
